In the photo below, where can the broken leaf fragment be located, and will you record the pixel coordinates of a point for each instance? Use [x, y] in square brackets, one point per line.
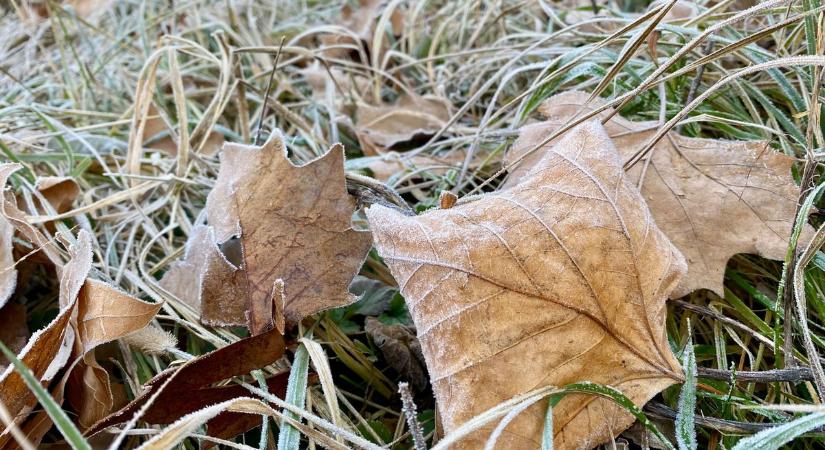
[295, 225]
[712, 198]
[208, 282]
[559, 278]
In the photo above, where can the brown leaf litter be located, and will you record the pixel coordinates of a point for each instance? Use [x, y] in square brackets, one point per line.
[712, 198]
[380, 128]
[297, 249]
[178, 391]
[558, 278]
[92, 313]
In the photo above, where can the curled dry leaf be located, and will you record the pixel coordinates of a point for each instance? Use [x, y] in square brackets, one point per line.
[295, 225]
[92, 313]
[401, 349]
[560, 278]
[188, 388]
[379, 128]
[712, 198]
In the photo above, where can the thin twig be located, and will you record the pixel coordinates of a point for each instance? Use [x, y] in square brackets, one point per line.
[767, 376]
[268, 91]
[662, 412]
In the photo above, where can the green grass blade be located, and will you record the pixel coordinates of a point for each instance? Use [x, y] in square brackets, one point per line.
[621, 400]
[547, 434]
[296, 391]
[685, 428]
[55, 412]
[776, 437]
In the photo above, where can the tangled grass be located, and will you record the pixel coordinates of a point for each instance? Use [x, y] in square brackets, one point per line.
[76, 93]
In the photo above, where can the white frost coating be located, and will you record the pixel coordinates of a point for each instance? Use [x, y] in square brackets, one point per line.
[8, 274]
[557, 279]
[237, 161]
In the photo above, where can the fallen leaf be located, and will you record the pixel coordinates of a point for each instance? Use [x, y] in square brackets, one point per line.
[190, 387]
[291, 228]
[60, 192]
[379, 128]
[393, 164]
[401, 349]
[336, 83]
[17, 218]
[158, 135]
[361, 22]
[48, 349]
[104, 314]
[560, 278]
[712, 198]
[92, 313]
[208, 282]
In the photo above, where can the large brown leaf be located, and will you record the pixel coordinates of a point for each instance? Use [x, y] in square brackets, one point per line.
[295, 225]
[560, 278]
[713, 198]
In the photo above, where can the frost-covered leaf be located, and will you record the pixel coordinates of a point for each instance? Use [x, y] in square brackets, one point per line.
[557, 279]
[712, 198]
[207, 281]
[381, 127]
[295, 225]
[360, 18]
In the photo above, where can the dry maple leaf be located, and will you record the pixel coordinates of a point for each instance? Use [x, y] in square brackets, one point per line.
[558, 279]
[295, 225]
[379, 128]
[713, 198]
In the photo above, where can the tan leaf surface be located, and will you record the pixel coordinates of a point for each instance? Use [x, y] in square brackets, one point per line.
[296, 226]
[381, 127]
[361, 21]
[60, 192]
[558, 279]
[712, 198]
[205, 280]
